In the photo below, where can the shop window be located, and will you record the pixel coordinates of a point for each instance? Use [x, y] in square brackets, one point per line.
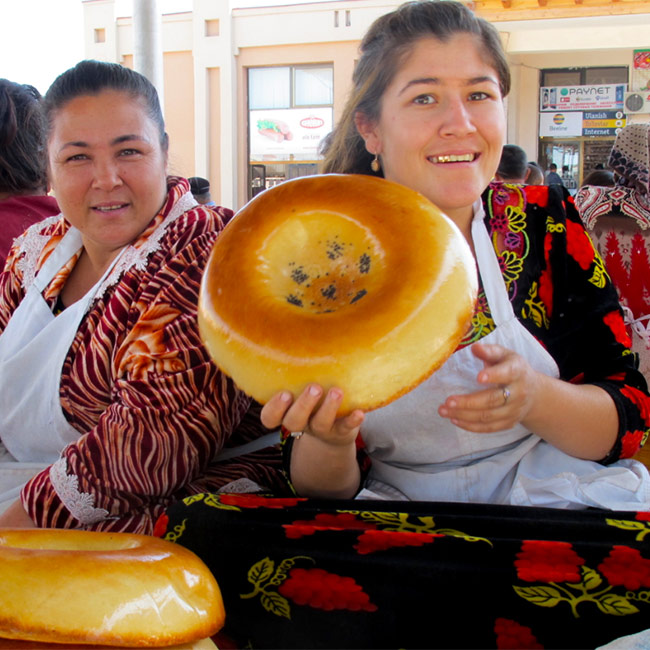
[313, 86]
[290, 112]
[566, 77]
[269, 88]
[584, 76]
[614, 75]
[273, 87]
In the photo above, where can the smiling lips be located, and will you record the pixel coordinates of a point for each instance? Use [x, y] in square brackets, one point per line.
[110, 208]
[447, 158]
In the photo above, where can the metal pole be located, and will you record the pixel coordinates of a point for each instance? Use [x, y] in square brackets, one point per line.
[147, 43]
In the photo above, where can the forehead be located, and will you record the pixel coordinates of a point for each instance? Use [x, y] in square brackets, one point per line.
[106, 109]
[463, 56]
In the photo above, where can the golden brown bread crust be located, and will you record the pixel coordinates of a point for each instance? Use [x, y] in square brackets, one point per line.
[344, 280]
[14, 644]
[111, 589]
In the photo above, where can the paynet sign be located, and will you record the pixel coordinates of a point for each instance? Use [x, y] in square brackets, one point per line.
[581, 98]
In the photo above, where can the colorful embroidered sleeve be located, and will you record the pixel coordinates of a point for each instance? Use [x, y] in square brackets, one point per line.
[138, 383]
[563, 295]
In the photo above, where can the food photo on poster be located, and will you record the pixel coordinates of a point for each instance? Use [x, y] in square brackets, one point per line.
[289, 131]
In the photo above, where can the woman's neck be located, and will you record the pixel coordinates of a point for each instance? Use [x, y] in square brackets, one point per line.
[86, 273]
[463, 218]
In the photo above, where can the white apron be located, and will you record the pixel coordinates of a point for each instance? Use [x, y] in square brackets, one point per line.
[418, 455]
[33, 347]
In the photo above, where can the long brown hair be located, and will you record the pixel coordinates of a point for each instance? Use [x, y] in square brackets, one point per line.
[388, 41]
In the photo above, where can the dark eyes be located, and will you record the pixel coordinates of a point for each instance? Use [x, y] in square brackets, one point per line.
[423, 100]
[82, 156]
[427, 99]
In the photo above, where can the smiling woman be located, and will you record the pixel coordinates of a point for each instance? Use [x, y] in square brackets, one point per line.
[530, 406]
[109, 404]
[109, 182]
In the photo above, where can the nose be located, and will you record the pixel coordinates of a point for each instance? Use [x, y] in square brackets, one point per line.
[106, 174]
[457, 118]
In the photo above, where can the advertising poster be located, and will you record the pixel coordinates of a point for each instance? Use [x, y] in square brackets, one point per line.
[582, 98]
[283, 132]
[607, 123]
[560, 124]
[641, 70]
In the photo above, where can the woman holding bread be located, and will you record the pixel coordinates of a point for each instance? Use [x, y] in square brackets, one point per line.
[110, 407]
[542, 398]
[535, 408]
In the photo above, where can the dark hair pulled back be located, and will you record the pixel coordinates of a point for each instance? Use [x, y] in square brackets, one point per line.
[22, 139]
[91, 77]
[387, 43]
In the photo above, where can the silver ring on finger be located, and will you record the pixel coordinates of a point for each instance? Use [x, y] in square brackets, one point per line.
[506, 395]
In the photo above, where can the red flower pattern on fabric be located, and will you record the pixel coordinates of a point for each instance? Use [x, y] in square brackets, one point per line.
[160, 527]
[545, 280]
[537, 194]
[514, 636]
[339, 521]
[323, 590]
[380, 540]
[256, 501]
[579, 245]
[631, 443]
[614, 320]
[626, 566]
[640, 399]
[548, 561]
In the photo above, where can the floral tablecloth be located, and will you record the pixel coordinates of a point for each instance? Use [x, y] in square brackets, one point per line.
[299, 573]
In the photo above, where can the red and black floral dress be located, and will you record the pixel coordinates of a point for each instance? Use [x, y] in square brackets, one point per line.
[303, 573]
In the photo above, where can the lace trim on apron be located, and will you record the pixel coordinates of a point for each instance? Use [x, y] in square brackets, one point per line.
[31, 244]
[80, 504]
[136, 256]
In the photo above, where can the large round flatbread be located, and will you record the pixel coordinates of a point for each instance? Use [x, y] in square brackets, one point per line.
[342, 280]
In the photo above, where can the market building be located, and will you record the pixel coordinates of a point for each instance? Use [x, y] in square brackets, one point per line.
[250, 93]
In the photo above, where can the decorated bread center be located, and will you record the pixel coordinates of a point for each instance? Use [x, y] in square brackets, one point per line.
[344, 280]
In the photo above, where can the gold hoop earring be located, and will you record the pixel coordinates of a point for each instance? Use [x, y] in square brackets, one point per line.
[374, 165]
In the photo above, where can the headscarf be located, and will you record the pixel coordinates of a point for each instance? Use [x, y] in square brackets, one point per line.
[630, 196]
[630, 157]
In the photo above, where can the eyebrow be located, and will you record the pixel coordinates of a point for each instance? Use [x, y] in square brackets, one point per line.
[436, 81]
[130, 137]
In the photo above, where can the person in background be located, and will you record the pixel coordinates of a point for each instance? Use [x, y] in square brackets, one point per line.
[614, 205]
[600, 177]
[110, 406]
[513, 166]
[552, 177]
[535, 174]
[23, 177]
[568, 179]
[201, 190]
